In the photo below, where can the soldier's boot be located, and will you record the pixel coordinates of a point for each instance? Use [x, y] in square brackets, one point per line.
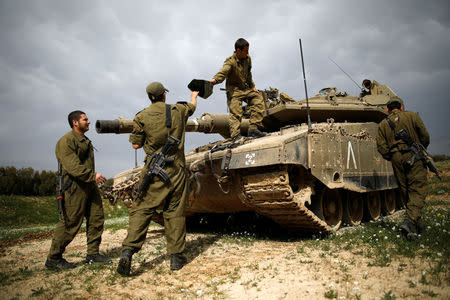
[124, 266]
[256, 133]
[177, 261]
[420, 227]
[409, 230]
[97, 258]
[58, 264]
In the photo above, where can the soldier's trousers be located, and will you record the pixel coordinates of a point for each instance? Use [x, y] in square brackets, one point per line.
[413, 185]
[80, 201]
[255, 105]
[172, 199]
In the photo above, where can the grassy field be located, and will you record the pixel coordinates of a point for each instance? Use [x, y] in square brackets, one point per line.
[22, 215]
[363, 262]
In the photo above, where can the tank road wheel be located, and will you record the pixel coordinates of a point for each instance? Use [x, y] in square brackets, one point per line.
[353, 208]
[329, 208]
[389, 202]
[373, 206]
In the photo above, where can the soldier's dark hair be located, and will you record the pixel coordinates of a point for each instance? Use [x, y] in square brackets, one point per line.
[155, 98]
[240, 44]
[394, 105]
[74, 116]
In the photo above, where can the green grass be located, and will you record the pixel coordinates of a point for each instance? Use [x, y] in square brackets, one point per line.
[24, 215]
[25, 210]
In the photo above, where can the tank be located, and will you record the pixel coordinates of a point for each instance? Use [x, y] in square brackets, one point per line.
[306, 177]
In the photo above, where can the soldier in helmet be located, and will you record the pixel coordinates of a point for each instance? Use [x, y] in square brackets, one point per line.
[151, 129]
[411, 179]
[240, 87]
[75, 153]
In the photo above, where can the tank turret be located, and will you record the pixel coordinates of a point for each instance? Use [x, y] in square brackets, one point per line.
[309, 179]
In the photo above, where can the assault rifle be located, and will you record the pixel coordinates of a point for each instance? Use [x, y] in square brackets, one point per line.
[418, 150]
[60, 191]
[156, 166]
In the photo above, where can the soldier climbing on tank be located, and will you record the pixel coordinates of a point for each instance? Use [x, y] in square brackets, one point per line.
[240, 87]
[411, 174]
[154, 128]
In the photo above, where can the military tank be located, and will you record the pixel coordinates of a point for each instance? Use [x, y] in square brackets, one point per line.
[307, 177]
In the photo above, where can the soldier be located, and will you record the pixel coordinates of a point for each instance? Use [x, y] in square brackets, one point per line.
[151, 129]
[240, 87]
[75, 153]
[411, 179]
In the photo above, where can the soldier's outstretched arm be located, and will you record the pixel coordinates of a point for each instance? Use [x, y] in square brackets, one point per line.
[194, 98]
[222, 74]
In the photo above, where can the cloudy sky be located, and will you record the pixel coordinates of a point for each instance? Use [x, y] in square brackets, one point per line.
[98, 56]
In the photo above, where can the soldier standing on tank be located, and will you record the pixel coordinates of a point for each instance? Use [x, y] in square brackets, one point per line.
[411, 179]
[74, 151]
[240, 87]
[150, 131]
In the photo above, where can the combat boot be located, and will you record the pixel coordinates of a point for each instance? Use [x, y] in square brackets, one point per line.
[58, 264]
[124, 266]
[409, 230]
[97, 258]
[256, 133]
[177, 261]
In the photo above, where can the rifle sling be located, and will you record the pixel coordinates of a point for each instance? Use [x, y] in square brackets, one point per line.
[66, 185]
[168, 116]
[391, 123]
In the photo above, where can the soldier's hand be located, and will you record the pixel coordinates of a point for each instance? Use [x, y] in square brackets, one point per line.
[194, 95]
[213, 81]
[256, 90]
[99, 178]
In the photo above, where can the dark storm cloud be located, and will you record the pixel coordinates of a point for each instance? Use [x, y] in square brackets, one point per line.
[98, 56]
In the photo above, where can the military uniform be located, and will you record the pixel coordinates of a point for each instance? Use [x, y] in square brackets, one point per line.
[412, 180]
[82, 199]
[239, 85]
[149, 130]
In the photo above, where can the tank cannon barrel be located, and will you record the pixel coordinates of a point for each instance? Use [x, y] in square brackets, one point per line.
[207, 123]
[117, 126]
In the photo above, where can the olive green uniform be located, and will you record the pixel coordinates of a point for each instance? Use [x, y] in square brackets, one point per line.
[239, 86]
[149, 130]
[412, 180]
[82, 199]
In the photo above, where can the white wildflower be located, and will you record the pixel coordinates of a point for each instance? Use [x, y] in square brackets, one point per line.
[385, 237]
[439, 254]
[199, 293]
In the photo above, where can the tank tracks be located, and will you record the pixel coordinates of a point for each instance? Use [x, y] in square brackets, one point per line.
[270, 194]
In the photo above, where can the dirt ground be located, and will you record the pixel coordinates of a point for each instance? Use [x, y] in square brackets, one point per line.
[220, 267]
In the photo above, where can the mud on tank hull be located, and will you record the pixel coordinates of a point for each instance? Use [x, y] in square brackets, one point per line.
[311, 181]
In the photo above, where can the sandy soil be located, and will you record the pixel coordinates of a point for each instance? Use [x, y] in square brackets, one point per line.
[220, 267]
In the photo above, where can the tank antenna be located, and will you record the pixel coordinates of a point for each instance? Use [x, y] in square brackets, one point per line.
[306, 90]
[345, 73]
